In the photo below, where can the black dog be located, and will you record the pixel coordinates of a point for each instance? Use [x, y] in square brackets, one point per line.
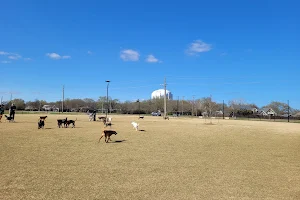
[62, 122]
[9, 119]
[68, 122]
[43, 117]
[107, 134]
[41, 123]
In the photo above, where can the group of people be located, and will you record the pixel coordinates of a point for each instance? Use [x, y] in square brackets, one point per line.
[12, 111]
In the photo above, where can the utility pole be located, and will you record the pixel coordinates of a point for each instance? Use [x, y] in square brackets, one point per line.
[10, 96]
[107, 81]
[165, 99]
[196, 110]
[63, 99]
[177, 106]
[193, 105]
[223, 110]
[139, 107]
[182, 105]
[288, 111]
[210, 106]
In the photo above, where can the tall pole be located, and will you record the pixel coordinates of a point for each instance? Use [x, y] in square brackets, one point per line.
[10, 96]
[165, 100]
[63, 99]
[223, 110]
[107, 98]
[288, 111]
[193, 105]
[182, 105]
[139, 107]
[1, 99]
[177, 106]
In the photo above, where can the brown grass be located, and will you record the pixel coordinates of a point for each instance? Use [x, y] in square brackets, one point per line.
[173, 159]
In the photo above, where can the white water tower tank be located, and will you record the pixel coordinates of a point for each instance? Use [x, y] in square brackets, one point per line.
[157, 94]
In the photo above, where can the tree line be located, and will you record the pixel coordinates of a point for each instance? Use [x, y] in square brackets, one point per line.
[197, 107]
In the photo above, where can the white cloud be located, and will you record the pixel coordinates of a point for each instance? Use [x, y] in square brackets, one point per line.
[198, 46]
[89, 52]
[27, 59]
[223, 54]
[3, 53]
[11, 56]
[129, 55]
[5, 62]
[151, 59]
[56, 56]
[14, 56]
[66, 57]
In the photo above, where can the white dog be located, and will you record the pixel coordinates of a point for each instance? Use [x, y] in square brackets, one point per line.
[91, 116]
[135, 126]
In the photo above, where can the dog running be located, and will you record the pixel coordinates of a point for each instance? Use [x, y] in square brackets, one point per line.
[9, 119]
[107, 134]
[135, 126]
[41, 123]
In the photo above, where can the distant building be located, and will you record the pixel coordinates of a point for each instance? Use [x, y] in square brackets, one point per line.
[157, 94]
[50, 108]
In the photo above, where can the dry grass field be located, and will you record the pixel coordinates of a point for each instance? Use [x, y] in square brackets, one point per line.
[173, 159]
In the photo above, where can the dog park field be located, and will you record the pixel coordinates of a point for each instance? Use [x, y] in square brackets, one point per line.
[180, 158]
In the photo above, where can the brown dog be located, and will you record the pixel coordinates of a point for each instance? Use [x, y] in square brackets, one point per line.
[101, 118]
[43, 117]
[107, 134]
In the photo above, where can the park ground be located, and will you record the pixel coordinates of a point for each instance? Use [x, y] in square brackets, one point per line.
[180, 158]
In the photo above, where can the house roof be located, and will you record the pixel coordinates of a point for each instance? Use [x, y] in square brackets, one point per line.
[268, 110]
[262, 112]
[297, 114]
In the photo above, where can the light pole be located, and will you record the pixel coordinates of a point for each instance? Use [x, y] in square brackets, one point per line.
[139, 107]
[182, 105]
[107, 97]
[288, 111]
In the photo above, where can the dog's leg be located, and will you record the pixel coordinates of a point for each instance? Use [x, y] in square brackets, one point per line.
[100, 137]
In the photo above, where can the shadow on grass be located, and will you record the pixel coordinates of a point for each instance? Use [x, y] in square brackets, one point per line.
[117, 141]
[209, 123]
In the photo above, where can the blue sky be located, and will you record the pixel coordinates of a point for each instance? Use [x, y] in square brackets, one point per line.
[228, 49]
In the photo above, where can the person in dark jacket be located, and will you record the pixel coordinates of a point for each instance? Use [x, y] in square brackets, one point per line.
[1, 111]
[12, 111]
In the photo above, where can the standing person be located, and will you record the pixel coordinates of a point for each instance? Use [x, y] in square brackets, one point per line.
[12, 111]
[1, 111]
